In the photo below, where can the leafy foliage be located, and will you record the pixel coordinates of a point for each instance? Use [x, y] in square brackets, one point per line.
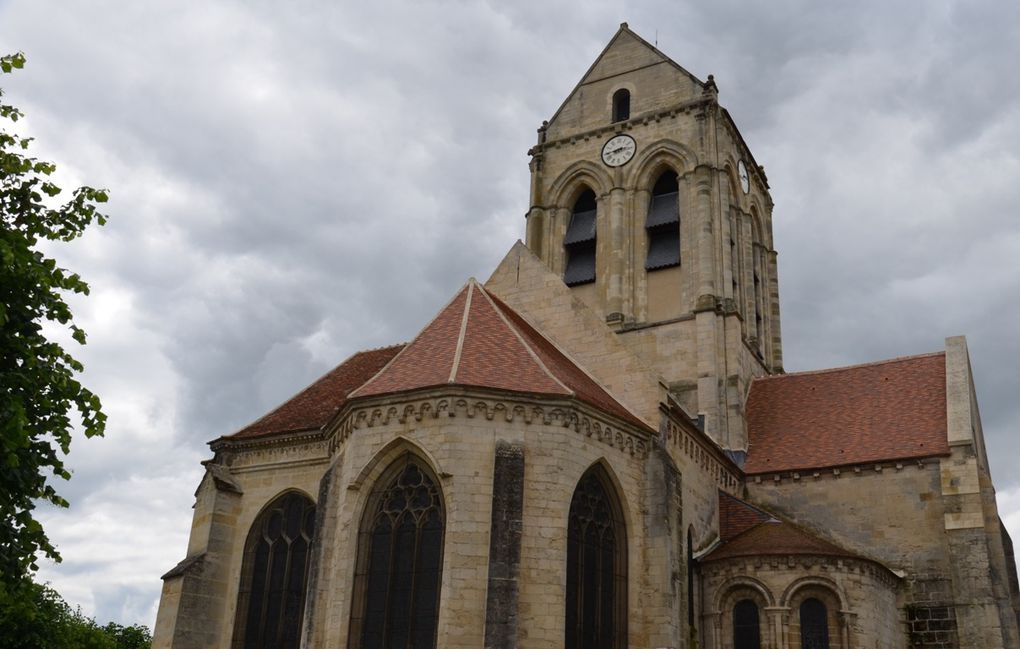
[38, 388]
[33, 616]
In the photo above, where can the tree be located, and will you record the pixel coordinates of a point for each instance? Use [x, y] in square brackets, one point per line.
[37, 617]
[38, 388]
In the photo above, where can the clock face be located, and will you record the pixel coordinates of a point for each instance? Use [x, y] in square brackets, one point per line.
[618, 150]
[745, 180]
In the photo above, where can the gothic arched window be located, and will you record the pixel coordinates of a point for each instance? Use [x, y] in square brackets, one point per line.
[274, 574]
[621, 105]
[814, 625]
[400, 557]
[580, 241]
[746, 628]
[596, 598]
[663, 224]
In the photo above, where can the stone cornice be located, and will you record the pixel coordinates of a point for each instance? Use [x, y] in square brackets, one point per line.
[440, 403]
[687, 439]
[621, 127]
[735, 566]
[859, 469]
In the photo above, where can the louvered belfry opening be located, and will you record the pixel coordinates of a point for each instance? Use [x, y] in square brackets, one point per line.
[663, 224]
[621, 105]
[596, 597]
[814, 625]
[746, 626]
[400, 557]
[274, 575]
[579, 244]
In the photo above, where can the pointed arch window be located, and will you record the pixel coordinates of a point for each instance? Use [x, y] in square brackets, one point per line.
[621, 105]
[596, 597]
[746, 625]
[274, 575]
[663, 224]
[400, 557]
[579, 243]
[814, 625]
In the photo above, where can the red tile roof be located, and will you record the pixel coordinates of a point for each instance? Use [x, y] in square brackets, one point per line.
[736, 516]
[314, 406]
[773, 538]
[889, 410]
[746, 531]
[477, 340]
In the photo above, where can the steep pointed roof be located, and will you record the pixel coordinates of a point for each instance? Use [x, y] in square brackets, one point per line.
[625, 52]
[889, 410]
[314, 406]
[476, 340]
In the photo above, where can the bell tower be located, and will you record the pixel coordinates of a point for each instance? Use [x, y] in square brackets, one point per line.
[648, 203]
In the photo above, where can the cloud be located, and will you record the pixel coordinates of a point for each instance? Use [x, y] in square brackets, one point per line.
[292, 185]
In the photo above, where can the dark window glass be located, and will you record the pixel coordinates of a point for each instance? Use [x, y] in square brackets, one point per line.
[746, 631]
[814, 625]
[274, 574]
[596, 569]
[400, 556]
[580, 242]
[663, 224]
[621, 105]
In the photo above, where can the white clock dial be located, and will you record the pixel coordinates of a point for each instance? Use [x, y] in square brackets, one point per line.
[618, 150]
[745, 180]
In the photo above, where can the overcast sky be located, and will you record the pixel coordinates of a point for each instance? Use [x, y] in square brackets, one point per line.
[292, 182]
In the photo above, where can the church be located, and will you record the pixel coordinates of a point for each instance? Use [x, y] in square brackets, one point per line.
[598, 447]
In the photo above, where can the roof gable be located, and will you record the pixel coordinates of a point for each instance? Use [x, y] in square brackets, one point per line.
[736, 516]
[889, 410]
[655, 80]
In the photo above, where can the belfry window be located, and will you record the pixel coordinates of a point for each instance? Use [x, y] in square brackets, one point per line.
[596, 597]
[814, 625]
[746, 627]
[274, 575]
[579, 243]
[663, 224]
[400, 555]
[621, 105]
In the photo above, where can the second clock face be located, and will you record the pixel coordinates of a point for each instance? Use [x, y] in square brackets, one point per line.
[745, 180]
[619, 150]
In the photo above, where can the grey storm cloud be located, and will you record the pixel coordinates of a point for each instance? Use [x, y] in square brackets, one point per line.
[290, 185]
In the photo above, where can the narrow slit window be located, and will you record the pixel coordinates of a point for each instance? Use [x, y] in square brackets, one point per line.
[621, 105]
[579, 243]
[814, 625]
[746, 625]
[663, 224]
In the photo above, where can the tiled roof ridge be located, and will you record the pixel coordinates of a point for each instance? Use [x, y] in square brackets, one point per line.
[569, 357]
[464, 317]
[530, 350]
[287, 401]
[354, 393]
[844, 368]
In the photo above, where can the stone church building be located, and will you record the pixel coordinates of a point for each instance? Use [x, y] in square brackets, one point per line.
[598, 448]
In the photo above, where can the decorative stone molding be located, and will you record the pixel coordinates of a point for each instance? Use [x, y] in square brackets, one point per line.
[866, 468]
[308, 447]
[698, 450]
[572, 415]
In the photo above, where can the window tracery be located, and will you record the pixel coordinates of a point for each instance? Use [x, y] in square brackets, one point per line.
[596, 568]
[274, 575]
[399, 563]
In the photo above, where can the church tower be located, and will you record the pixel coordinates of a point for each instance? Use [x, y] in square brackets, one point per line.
[647, 202]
